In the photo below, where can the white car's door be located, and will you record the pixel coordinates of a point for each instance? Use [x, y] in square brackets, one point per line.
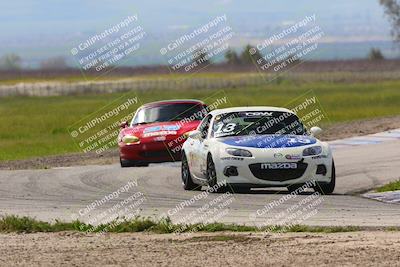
[191, 152]
[199, 149]
[203, 152]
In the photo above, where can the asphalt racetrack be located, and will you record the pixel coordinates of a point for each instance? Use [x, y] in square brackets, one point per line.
[65, 193]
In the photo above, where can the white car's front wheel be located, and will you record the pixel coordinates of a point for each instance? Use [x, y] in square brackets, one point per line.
[327, 188]
[212, 176]
[187, 181]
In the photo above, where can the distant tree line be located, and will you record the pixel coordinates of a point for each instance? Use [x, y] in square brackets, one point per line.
[14, 62]
[375, 54]
[392, 11]
[10, 62]
[243, 58]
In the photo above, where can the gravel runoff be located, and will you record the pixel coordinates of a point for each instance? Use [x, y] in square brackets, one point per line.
[370, 248]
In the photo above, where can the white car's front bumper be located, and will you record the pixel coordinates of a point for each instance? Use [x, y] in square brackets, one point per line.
[249, 170]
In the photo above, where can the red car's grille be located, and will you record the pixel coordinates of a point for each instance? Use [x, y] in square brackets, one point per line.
[159, 154]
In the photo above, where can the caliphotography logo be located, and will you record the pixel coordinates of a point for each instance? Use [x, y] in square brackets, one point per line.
[99, 131]
[101, 52]
[195, 50]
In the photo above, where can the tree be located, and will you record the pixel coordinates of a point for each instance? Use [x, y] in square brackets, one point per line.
[250, 55]
[232, 58]
[54, 63]
[375, 54]
[392, 10]
[10, 62]
[201, 57]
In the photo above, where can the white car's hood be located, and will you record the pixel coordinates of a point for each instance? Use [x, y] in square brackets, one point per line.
[268, 141]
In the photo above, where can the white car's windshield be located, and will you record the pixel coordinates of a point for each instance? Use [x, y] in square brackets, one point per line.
[257, 122]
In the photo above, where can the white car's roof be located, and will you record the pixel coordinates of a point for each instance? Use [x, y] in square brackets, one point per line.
[242, 109]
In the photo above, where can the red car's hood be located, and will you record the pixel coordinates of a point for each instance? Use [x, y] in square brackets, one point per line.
[160, 129]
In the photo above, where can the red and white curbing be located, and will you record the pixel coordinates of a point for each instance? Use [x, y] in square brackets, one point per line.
[388, 197]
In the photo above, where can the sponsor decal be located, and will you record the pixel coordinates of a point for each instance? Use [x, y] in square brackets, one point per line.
[171, 127]
[278, 155]
[231, 158]
[258, 114]
[160, 133]
[293, 157]
[152, 129]
[161, 128]
[160, 138]
[279, 166]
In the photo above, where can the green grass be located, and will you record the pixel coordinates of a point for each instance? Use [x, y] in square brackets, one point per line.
[393, 186]
[81, 78]
[18, 224]
[38, 126]
[333, 77]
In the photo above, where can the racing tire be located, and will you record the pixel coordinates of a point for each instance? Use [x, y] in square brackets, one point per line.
[212, 176]
[327, 188]
[126, 163]
[187, 181]
[240, 190]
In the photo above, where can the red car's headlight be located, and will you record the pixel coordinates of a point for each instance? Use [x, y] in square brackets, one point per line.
[130, 139]
[186, 135]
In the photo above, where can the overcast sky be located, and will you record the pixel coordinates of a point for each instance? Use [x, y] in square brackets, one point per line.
[38, 29]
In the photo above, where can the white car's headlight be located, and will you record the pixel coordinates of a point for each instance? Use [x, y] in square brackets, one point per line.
[312, 151]
[238, 152]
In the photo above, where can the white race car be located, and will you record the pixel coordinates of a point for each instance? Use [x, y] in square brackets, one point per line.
[249, 147]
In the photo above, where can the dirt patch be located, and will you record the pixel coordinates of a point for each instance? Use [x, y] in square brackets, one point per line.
[332, 132]
[360, 127]
[67, 160]
[244, 249]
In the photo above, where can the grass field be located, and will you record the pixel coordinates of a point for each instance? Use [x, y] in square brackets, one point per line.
[38, 126]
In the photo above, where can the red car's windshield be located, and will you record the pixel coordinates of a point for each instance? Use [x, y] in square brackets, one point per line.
[170, 112]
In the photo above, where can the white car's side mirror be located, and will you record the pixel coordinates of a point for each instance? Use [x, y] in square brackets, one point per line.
[194, 134]
[315, 131]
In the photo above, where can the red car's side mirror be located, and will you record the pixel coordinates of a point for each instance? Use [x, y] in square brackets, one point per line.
[123, 124]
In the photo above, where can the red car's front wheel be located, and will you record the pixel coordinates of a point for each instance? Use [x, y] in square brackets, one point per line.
[131, 163]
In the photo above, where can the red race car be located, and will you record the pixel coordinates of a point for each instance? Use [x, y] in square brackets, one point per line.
[158, 131]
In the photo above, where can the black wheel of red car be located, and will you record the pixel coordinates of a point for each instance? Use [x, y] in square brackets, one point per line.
[131, 163]
[126, 163]
[327, 188]
[212, 177]
[187, 181]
